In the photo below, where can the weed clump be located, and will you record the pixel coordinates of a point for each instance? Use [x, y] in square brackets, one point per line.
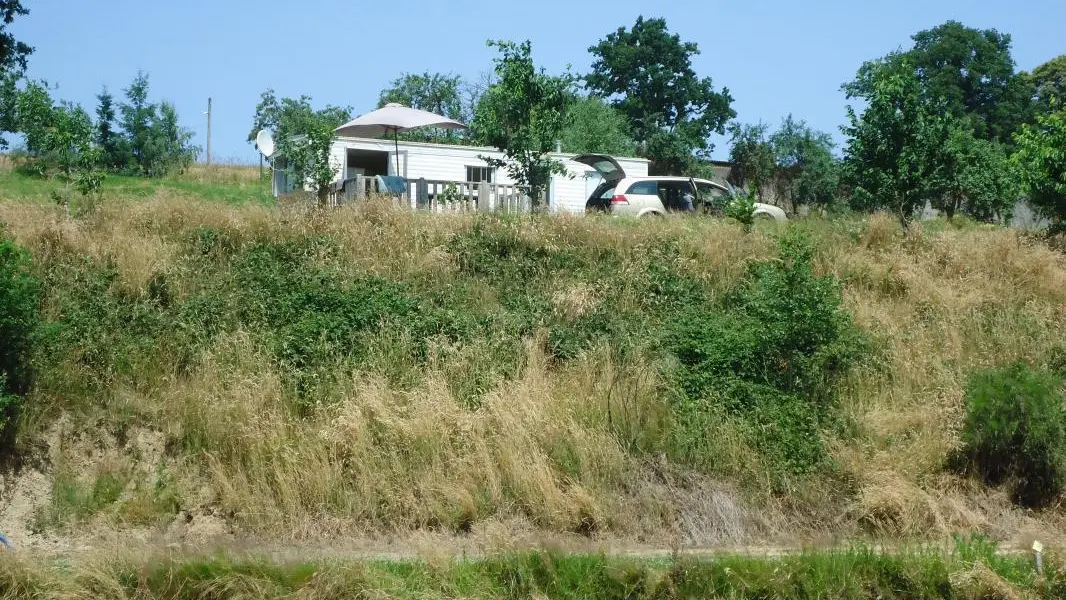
[1015, 431]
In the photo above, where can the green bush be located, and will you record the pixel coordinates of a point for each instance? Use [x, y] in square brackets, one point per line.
[19, 319]
[741, 208]
[770, 354]
[1015, 431]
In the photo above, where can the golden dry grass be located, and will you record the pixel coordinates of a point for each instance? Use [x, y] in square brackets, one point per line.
[938, 305]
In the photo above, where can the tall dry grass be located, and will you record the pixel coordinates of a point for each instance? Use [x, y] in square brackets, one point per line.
[938, 305]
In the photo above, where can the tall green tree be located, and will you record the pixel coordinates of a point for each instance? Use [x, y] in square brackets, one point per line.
[137, 114]
[806, 170]
[972, 72]
[752, 157]
[596, 127]
[978, 179]
[646, 72]
[154, 141]
[434, 92]
[1041, 160]
[108, 139]
[523, 114]
[303, 136]
[56, 136]
[892, 160]
[13, 55]
[1049, 83]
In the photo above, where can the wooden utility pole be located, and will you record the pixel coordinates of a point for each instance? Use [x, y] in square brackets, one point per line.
[209, 131]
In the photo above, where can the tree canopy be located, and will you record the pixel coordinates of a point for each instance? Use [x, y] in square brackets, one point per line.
[303, 136]
[1049, 82]
[13, 53]
[891, 160]
[523, 114]
[970, 70]
[807, 172]
[596, 127]
[1041, 159]
[434, 92]
[646, 73]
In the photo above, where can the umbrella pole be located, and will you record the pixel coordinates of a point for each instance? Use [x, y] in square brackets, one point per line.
[396, 137]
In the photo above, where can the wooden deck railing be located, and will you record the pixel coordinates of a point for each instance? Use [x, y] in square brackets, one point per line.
[439, 196]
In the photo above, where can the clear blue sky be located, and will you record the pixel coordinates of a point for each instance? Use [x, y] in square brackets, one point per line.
[775, 56]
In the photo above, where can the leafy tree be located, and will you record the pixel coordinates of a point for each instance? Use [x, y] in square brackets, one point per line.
[596, 127]
[646, 72]
[13, 53]
[977, 178]
[971, 70]
[433, 92]
[156, 142]
[807, 172]
[303, 136]
[752, 156]
[57, 136]
[892, 159]
[169, 146]
[112, 149]
[293, 116]
[1041, 161]
[137, 114]
[1049, 82]
[523, 114]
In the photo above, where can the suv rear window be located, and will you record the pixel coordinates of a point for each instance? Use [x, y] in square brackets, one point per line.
[644, 188]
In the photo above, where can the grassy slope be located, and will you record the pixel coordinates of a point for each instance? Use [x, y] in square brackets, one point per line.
[229, 185]
[224, 332]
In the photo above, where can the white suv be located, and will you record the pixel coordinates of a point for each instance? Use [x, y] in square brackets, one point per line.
[657, 196]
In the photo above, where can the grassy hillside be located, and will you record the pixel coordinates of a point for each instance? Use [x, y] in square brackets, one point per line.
[204, 355]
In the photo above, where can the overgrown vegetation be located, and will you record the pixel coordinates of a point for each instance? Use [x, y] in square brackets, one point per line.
[972, 571]
[19, 320]
[1016, 431]
[394, 371]
[772, 355]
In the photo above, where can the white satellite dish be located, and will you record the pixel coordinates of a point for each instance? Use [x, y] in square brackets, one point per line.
[265, 142]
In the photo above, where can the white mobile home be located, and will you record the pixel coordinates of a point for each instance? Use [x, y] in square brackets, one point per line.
[459, 164]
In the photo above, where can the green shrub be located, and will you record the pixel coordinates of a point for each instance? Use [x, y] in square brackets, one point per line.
[771, 354]
[98, 335]
[741, 208]
[19, 317]
[1014, 431]
[19, 320]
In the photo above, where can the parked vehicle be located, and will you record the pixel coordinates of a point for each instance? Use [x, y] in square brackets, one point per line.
[658, 195]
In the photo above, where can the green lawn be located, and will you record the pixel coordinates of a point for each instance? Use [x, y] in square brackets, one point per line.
[229, 185]
[967, 573]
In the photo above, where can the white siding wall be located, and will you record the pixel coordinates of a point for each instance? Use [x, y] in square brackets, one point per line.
[449, 163]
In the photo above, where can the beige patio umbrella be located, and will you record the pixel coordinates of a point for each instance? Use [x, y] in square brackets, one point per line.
[394, 118]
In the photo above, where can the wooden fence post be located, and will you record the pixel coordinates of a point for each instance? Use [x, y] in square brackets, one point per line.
[360, 187]
[484, 198]
[423, 193]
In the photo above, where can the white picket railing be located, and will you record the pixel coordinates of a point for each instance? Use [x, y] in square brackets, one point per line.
[439, 196]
